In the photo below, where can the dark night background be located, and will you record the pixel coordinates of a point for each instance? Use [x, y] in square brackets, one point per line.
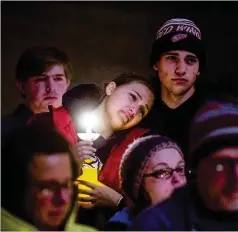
[103, 39]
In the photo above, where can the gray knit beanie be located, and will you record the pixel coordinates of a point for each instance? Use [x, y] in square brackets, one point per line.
[136, 159]
[215, 126]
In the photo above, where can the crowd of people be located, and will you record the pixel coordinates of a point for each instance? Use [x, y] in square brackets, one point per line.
[167, 145]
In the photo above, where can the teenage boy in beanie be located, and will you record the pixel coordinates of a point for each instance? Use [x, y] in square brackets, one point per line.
[178, 58]
[210, 200]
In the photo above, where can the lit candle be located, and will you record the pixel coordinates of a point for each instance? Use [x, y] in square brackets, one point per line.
[89, 172]
[88, 120]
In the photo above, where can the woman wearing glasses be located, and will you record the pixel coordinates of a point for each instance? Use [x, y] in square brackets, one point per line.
[151, 169]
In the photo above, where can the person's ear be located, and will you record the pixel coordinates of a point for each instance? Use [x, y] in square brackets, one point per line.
[198, 73]
[111, 88]
[155, 66]
[21, 88]
[68, 83]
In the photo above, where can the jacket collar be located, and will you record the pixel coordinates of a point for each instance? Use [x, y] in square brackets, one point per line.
[11, 222]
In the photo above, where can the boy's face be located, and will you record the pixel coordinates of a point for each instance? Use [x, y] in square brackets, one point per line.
[177, 71]
[45, 89]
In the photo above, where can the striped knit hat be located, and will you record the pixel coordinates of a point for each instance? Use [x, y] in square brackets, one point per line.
[178, 34]
[136, 159]
[215, 126]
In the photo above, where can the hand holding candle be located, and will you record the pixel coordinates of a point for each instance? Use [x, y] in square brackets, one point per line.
[92, 164]
[85, 147]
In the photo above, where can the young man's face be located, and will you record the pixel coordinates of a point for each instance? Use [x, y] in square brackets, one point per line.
[217, 178]
[50, 189]
[45, 89]
[177, 71]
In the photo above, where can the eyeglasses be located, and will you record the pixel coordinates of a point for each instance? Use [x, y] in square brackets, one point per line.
[166, 173]
[48, 189]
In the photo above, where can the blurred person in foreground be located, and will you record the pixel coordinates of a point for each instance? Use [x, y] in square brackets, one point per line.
[38, 180]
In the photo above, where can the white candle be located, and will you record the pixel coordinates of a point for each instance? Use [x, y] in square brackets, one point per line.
[88, 120]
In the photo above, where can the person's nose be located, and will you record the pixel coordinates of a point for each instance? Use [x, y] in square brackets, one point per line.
[62, 197]
[177, 180]
[49, 84]
[135, 109]
[181, 68]
[132, 110]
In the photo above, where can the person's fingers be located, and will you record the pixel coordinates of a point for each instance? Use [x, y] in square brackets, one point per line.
[87, 199]
[85, 152]
[85, 205]
[82, 157]
[86, 191]
[82, 143]
[88, 184]
[86, 148]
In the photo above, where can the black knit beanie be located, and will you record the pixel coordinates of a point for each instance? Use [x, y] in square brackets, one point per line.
[178, 34]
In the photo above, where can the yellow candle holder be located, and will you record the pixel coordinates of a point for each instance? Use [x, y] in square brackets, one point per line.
[90, 169]
[89, 174]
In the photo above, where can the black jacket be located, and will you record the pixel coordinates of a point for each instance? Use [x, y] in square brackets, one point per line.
[175, 123]
[17, 120]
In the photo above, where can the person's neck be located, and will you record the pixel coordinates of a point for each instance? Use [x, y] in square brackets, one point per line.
[43, 227]
[174, 101]
[36, 110]
[103, 128]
